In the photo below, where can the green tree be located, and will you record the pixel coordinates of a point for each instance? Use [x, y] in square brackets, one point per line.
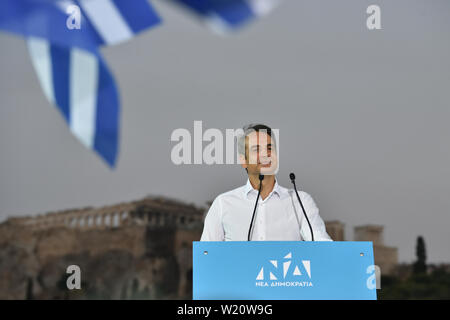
[420, 265]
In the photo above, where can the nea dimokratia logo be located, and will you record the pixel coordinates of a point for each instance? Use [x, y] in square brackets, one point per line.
[285, 272]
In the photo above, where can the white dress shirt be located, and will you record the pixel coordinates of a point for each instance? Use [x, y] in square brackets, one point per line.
[279, 217]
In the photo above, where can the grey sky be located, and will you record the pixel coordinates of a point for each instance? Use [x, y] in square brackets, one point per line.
[363, 116]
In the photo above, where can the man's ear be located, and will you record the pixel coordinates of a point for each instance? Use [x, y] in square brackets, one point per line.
[243, 161]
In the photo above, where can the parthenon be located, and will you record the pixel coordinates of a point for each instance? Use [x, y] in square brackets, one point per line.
[150, 211]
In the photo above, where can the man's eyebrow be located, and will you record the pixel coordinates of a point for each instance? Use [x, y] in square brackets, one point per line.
[258, 145]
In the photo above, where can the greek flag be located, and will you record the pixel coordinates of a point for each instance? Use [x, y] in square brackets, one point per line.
[68, 63]
[224, 16]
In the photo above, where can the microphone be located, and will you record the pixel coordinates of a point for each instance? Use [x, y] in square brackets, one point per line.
[292, 177]
[261, 178]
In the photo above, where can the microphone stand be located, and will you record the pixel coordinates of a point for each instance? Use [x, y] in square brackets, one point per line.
[292, 176]
[261, 177]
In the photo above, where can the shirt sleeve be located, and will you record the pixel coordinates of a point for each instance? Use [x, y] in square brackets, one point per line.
[317, 224]
[213, 228]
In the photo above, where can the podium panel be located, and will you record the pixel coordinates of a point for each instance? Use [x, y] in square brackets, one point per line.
[283, 270]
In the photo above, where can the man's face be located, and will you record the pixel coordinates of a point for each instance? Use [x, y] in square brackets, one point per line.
[260, 154]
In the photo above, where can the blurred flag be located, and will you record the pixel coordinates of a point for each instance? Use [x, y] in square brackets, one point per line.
[70, 68]
[227, 15]
[68, 63]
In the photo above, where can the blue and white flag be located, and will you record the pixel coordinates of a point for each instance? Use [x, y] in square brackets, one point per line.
[64, 37]
[70, 68]
[227, 15]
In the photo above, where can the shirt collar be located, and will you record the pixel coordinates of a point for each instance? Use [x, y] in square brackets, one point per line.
[249, 188]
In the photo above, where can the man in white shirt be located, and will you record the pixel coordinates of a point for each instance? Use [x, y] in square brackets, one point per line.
[278, 216]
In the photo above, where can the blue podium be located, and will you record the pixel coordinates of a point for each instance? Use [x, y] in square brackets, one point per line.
[283, 270]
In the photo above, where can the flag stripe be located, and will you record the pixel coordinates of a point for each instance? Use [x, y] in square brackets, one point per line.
[262, 7]
[60, 74]
[139, 16]
[83, 95]
[41, 59]
[227, 15]
[107, 120]
[107, 19]
[235, 14]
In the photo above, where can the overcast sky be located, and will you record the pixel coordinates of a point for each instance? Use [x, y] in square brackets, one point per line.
[363, 116]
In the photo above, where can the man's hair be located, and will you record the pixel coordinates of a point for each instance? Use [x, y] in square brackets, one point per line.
[252, 128]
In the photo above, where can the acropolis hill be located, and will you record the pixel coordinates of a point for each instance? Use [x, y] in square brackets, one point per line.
[134, 250]
[130, 250]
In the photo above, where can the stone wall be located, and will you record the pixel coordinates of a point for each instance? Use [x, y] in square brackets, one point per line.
[372, 233]
[136, 250]
[385, 257]
[335, 230]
